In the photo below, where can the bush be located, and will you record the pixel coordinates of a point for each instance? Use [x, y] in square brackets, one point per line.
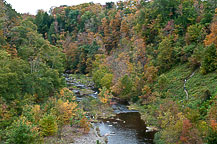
[105, 95]
[85, 124]
[124, 88]
[67, 94]
[106, 81]
[209, 62]
[158, 139]
[48, 125]
[212, 133]
[22, 132]
[195, 33]
[127, 87]
[163, 81]
[65, 110]
[99, 74]
[36, 112]
[6, 115]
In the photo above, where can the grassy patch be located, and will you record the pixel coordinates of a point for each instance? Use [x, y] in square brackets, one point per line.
[199, 84]
[174, 87]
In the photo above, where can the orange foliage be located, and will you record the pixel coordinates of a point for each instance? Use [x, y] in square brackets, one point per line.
[115, 25]
[4, 112]
[85, 124]
[12, 51]
[107, 35]
[120, 66]
[67, 94]
[104, 95]
[213, 124]
[117, 88]
[140, 49]
[125, 28]
[212, 37]
[65, 110]
[150, 73]
[70, 48]
[212, 114]
[28, 123]
[148, 96]
[189, 134]
[36, 111]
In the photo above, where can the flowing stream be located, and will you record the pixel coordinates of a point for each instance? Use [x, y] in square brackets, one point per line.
[126, 127]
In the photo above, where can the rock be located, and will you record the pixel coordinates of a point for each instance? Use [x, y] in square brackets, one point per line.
[112, 133]
[86, 92]
[118, 119]
[76, 91]
[107, 134]
[151, 129]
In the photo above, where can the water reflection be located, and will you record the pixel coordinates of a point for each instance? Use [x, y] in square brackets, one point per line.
[126, 128]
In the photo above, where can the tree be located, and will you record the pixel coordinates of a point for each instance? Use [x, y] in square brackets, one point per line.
[12, 73]
[124, 29]
[115, 26]
[195, 34]
[209, 61]
[43, 22]
[165, 58]
[140, 51]
[107, 35]
[212, 37]
[2, 24]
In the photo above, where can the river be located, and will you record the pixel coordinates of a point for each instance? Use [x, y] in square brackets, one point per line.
[126, 127]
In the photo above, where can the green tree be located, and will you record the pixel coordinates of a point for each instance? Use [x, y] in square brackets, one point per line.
[165, 58]
[209, 61]
[43, 22]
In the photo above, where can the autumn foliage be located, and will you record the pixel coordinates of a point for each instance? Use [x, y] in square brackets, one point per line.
[145, 52]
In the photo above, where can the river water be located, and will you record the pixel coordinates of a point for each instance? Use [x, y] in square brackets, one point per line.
[126, 127]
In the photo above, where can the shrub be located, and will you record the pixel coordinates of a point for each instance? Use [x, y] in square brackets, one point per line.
[85, 124]
[209, 61]
[75, 119]
[6, 116]
[124, 88]
[49, 105]
[158, 139]
[163, 81]
[189, 133]
[212, 133]
[48, 125]
[65, 110]
[32, 113]
[67, 94]
[195, 33]
[127, 87]
[102, 72]
[36, 112]
[106, 81]
[22, 132]
[165, 58]
[104, 95]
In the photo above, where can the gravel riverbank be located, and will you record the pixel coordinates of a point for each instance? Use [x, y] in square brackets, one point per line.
[91, 138]
[75, 135]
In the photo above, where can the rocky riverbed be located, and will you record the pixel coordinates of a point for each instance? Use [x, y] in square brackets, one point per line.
[116, 124]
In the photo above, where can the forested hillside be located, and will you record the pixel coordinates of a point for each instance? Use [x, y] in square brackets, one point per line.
[159, 55]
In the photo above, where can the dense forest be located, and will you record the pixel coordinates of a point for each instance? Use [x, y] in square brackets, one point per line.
[159, 55]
